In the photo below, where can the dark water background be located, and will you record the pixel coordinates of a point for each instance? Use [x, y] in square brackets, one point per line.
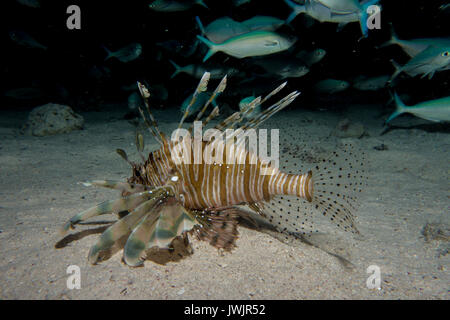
[62, 72]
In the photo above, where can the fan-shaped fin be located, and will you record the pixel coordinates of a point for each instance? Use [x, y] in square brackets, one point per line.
[124, 226]
[110, 206]
[117, 185]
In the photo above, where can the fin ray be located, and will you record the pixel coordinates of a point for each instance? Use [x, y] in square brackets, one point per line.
[107, 207]
[125, 225]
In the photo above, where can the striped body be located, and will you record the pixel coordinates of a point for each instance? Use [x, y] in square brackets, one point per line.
[222, 183]
[192, 186]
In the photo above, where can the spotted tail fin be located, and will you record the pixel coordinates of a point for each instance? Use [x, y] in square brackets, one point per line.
[337, 180]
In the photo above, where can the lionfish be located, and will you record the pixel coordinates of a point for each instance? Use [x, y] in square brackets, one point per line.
[166, 198]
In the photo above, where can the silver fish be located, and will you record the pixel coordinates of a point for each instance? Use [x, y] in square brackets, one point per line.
[100, 73]
[251, 86]
[24, 93]
[371, 84]
[197, 71]
[444, 7]
[284, 67]
[437, 110]
[134, 100]
[222, 29]
[238, 3]
[225, 28]
[174, 6]
[128, 87]
[341, 6]
[30, 3]
[331, 86]
[311, 57]
[426, 63]
[336, 11]
[413, 47]
[244, 103]
[159, 91]
[125, 54]
[24, 39]
[202, 98]
[184, 49]
[266, 23]
[319, 12]
[251, 44]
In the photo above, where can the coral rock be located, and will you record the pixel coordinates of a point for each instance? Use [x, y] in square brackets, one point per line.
[347, 129]
[52, 119]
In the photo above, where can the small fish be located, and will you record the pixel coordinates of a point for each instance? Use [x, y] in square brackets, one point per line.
[24, 39]
[371, 84]
[30, 3]
[125, 54]
[61, 91]
[251, 44]
[202, 98]
[197, 71]
[413, 47]
[159, 92]
[311, 57]
[426, 63]
[244, 103]
[184, 49]
[331, 86]
[128, 87]
[266, 23]
[174, 6]
[249, 86]
[238, 3]
[134, 101]
[222, 29]
[341, 6]
[336, 11]
[24, 93]
[444, 7]
[284, 67]
[437, 110]
[99, 73]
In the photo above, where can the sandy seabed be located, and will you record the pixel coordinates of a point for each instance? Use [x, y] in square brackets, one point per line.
[39, 191]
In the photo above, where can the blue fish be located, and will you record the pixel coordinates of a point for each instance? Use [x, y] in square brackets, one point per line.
[337, 11]
[437, 110]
